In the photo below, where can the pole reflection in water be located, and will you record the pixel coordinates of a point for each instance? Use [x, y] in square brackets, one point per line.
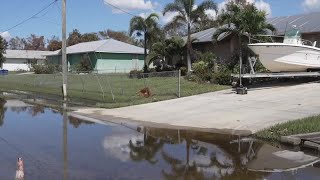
[65, 142]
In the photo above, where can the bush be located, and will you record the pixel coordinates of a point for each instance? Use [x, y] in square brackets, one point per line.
[184, 71]
[202, 71]
[44, 69]
[222, 78]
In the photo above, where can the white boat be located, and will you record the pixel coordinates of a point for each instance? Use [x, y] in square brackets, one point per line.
[293, 55]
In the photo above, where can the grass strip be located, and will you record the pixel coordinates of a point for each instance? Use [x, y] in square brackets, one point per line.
[300, 126]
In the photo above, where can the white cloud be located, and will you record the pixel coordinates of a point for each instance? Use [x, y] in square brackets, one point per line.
[311, 5]
[131, 5]
[6, 35]
[263, 6]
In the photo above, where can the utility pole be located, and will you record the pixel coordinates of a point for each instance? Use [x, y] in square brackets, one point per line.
[64, 50]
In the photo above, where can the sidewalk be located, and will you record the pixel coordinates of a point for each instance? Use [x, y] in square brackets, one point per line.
[222, 111]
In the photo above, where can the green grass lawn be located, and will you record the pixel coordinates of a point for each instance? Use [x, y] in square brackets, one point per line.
[113, 90]
[306, 125]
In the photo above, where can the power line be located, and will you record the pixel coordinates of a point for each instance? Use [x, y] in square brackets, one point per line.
[33, 16]
[122, 10]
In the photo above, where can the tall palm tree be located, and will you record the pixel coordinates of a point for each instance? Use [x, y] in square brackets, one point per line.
[241, 19]
[147, 27]
[188, 15]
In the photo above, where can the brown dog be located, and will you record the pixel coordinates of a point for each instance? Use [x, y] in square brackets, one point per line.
[145, 92]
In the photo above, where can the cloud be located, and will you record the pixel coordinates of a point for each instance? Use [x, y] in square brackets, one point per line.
[131, 5]
[6, 35]
[311, 5]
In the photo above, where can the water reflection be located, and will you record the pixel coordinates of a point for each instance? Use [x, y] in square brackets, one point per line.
[2, 111]
[62, 147]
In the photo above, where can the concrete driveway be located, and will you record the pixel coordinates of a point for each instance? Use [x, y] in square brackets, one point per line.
[222, 111]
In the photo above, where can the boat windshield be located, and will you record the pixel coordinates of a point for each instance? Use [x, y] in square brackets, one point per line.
[293, 36]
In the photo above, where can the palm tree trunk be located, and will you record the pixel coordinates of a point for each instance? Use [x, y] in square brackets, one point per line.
[145, 53]
[189, 48]
[240, 65]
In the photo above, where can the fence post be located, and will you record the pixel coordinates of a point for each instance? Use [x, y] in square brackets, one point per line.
[179, 83]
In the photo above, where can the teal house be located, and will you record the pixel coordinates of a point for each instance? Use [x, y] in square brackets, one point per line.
[105, 56]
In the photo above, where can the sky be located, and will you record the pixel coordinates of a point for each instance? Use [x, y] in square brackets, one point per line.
[96, 15]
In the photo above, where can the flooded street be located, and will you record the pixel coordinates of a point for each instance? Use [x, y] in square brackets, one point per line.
[55, 146]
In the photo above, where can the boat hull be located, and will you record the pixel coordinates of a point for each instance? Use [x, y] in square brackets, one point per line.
[279, 57]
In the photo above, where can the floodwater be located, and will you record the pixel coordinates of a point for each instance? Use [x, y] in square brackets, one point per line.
[55, 146]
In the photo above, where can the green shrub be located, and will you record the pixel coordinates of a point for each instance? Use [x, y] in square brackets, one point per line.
[184, 71]
[202, 71]
[222, 78]
[44, 69]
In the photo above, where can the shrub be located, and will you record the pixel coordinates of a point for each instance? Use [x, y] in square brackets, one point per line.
[184, 71]
[44, 69]
[202, 71]
[222, 78]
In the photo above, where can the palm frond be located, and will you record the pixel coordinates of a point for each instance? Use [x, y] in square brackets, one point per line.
[176, 23]
[136, 24]
[173, 7]
[223, 30]
[207, 5]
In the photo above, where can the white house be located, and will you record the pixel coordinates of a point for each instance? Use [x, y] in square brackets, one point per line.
[22, 59]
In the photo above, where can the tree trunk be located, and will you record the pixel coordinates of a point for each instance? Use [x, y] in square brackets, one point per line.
[145, 66]
[240, 59]
[189, 48]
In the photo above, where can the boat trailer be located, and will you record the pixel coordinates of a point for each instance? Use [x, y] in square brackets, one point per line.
[249, 77]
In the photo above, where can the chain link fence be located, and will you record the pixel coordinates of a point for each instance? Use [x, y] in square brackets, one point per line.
[108, 88]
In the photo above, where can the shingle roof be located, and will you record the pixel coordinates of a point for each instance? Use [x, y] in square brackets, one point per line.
[106, 46]
[26, 54]
[307, 23]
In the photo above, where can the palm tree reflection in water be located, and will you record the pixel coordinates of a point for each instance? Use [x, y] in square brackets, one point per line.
[206, 155]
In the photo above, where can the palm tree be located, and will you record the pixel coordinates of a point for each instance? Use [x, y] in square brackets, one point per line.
[166, 50]
[187, 16]
[148, 27]
[242, 19]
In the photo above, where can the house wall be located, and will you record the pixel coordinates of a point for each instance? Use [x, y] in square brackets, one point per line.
[223, 49]
[105, 62]
[20, 64]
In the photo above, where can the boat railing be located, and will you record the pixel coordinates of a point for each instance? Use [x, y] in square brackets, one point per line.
[271, 39]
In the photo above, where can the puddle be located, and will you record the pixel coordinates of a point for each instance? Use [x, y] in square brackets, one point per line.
[55, 146]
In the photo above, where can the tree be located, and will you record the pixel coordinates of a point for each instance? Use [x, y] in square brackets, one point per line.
[54, 44]
[35, 43]
[88, 37]
[2, 51]
[74, 37]
[16, 43]
[241, 18]
[122, 36]
[148, 27]
[187, 16]
[166, 50]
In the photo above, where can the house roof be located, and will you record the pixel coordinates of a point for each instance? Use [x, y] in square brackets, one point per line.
[206, 36]
[106, 46]
[26, 54]
[307, 23]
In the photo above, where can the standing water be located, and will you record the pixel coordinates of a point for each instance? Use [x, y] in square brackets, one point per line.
[55, 146]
